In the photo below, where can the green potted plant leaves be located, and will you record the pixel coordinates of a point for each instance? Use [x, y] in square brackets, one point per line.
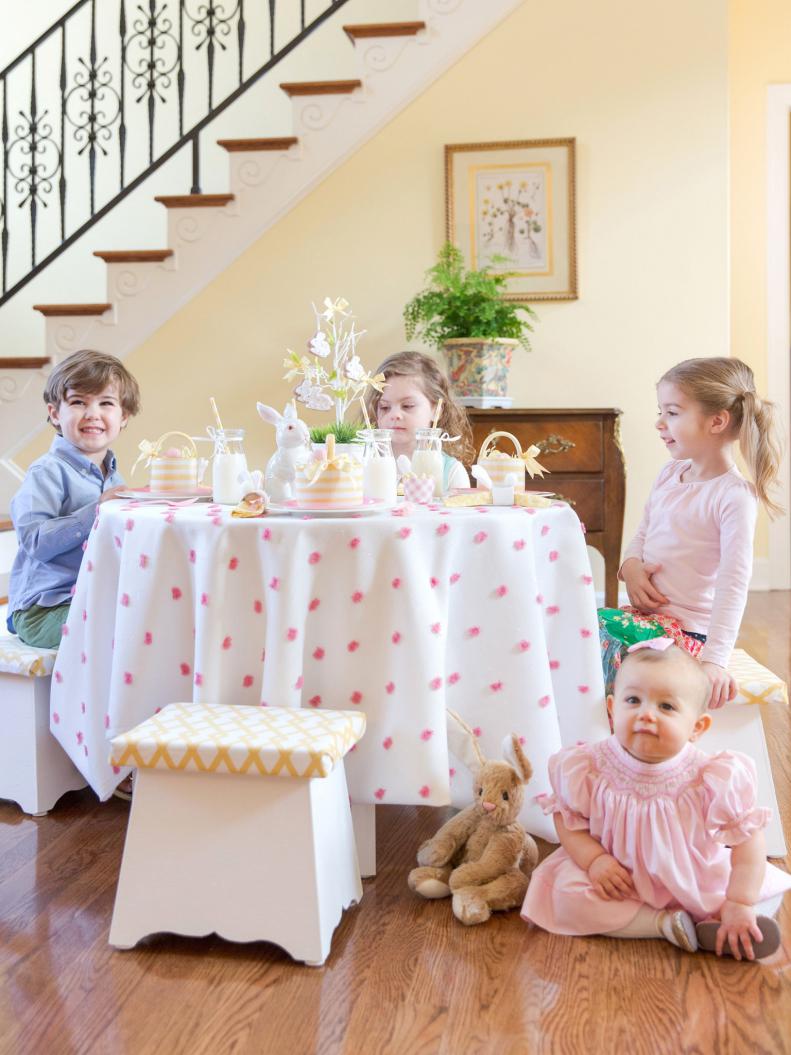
[463, 313]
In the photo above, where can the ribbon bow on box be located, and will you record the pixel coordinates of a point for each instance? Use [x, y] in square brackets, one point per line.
[496, 457]
[529, 458]
[149, 450]
[342, 462]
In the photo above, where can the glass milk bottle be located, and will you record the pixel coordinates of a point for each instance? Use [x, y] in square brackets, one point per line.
[380, 478]
[427, 459]
[229, 466]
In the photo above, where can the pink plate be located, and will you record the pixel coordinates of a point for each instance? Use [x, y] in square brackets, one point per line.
[369, 505]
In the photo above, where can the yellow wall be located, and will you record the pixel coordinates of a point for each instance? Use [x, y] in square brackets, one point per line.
[643, 88]
[760, 55]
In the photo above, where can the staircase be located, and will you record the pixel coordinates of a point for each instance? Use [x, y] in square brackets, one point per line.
[204, 232]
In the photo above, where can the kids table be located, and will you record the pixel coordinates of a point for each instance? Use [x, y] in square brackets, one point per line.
[488, 611]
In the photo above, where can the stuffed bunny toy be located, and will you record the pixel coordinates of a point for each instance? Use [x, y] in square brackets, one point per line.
[482, 856]
[293, 448]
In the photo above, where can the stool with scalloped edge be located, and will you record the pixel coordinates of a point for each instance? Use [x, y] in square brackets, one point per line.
[240, 825]
[35, 771]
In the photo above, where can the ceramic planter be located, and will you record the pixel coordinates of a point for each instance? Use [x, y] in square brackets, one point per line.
[478, 370]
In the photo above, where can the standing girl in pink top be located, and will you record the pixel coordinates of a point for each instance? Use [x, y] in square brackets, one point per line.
[658, 839]
[688, 568]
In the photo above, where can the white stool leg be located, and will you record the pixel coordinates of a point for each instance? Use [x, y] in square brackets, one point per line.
[34, 769]
[250, 858]
[364, 818]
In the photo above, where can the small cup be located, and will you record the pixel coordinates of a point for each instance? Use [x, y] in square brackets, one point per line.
[419, 489]
[502, 494]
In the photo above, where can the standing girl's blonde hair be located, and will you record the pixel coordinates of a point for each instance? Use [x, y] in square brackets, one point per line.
[434, 384]
[728, 384]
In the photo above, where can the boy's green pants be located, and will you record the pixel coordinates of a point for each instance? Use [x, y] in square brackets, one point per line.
[41, 627]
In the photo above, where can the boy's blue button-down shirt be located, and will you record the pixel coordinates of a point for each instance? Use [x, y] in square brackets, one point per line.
[53, 512]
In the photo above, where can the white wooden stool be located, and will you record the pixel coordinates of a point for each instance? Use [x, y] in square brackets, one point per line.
[240, 825]
[34, 769]
[738, 727]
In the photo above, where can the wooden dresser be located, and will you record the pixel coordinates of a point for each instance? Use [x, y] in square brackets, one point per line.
[582, 451]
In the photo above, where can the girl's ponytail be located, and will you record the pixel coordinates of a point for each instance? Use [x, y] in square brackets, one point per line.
[728, 384]
[759, 442]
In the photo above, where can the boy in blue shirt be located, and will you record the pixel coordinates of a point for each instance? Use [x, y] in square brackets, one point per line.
[89, 397]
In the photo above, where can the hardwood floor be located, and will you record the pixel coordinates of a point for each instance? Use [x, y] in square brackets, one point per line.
[403, 975]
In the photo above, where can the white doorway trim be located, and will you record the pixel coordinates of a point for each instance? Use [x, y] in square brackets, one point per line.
[778, 307]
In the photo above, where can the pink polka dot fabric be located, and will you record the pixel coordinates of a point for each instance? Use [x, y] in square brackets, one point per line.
[400, 615]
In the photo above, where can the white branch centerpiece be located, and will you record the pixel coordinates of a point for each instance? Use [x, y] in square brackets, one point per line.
[332, 374]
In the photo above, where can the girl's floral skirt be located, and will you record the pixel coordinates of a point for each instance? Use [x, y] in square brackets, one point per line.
[621, 627]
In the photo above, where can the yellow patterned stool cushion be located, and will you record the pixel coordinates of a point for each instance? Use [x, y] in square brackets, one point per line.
[260, 741]
[756, 683]
[19, 658]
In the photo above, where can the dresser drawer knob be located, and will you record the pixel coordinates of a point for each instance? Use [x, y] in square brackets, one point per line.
[555, 444]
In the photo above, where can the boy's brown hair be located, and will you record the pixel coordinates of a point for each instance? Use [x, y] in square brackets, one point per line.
[89, 372]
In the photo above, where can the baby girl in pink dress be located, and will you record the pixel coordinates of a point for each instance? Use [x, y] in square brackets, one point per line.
[645, 821]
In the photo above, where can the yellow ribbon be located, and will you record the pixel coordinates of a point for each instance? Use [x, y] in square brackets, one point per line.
[342, 462]
[147, 450]
[532, 466]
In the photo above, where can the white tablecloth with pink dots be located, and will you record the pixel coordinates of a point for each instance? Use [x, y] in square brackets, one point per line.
[490, 612]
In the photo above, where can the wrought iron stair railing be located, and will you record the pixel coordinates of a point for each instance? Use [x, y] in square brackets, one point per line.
[104, 104]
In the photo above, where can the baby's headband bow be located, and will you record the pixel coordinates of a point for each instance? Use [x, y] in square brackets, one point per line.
[658, 644]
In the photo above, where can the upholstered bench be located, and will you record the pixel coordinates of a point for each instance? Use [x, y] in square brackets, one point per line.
[738, 727]
[34, 769]
[757, 684]
[240, 825]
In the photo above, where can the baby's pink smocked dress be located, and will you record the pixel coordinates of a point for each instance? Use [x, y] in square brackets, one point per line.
[669, 823]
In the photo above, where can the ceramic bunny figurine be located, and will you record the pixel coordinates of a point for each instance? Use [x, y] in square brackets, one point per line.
[293, 448]
[482, 856]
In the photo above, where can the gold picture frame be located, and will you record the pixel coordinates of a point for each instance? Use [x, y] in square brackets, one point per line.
[516, 199]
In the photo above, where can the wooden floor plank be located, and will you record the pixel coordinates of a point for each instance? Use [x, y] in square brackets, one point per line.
[403, 975]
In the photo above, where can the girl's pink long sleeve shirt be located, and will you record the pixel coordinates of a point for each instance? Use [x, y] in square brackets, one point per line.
[701, 533]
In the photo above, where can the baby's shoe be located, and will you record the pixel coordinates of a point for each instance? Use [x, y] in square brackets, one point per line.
[677, 927]
[707, 937]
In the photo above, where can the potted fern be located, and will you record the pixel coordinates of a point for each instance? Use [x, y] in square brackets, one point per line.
[463, 314]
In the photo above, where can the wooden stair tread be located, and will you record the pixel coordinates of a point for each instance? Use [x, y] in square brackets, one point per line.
[194, 201]
[383, 29]
[72, 309]
[133, 256]
[320, 87]
[272, 143]
[21, 362]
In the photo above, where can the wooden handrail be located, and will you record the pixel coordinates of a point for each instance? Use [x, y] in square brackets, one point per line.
[23, 362]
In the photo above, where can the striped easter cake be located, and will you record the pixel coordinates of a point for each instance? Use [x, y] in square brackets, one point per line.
[174, 471]
[336, 482]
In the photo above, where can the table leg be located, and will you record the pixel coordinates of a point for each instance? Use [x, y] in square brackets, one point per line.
[364, 822]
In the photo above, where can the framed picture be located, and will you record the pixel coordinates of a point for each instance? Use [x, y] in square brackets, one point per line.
[516, 200]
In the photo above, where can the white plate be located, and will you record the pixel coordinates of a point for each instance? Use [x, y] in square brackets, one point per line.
[143, 494]
[368, 507]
